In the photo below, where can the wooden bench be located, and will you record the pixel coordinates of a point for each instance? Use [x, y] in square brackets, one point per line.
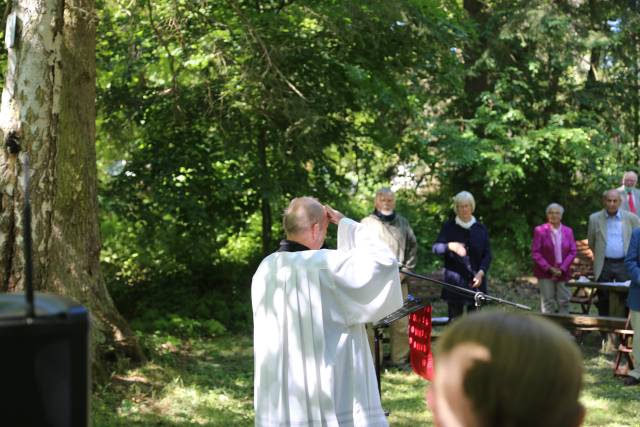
[439, 321]
[625, 347]
[617, 325]
[582, 266]
[587, 323]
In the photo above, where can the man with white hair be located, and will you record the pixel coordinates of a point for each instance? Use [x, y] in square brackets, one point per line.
[395, 231]
[609, 234]
[629, 194]
[313, 366]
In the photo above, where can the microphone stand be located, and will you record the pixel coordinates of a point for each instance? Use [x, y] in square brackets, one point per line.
[478, 297]
[413, 304]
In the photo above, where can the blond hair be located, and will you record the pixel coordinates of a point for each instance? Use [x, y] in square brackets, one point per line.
[533, 376]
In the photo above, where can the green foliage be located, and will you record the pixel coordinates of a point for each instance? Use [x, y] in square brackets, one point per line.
[530, 140]
[213, 115]
[219, 114]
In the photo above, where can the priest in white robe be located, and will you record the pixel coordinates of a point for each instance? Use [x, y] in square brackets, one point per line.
[313, 366]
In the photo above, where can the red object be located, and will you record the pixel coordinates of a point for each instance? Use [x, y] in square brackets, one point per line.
[420, 343]
[632, 206]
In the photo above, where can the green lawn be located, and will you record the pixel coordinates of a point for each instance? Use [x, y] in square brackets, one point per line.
[208, 382]
[204, 381]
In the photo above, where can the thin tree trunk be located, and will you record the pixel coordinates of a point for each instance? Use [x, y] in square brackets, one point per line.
[265, 207]
[475, 81]
[48, 106]
[594, 60]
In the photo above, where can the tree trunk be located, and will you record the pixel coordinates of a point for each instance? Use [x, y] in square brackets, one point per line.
[48, 112]
[265, 206]
[476, 80]
[594, 60]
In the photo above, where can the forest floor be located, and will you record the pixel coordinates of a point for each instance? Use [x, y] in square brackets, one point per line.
[208, 381]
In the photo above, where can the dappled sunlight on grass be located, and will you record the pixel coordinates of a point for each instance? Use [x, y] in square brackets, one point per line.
[608, 403]
[199, 406]
[205, 381]
[403, 397]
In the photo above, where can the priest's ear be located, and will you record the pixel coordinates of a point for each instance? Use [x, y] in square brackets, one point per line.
[316, 236]
[315, 230]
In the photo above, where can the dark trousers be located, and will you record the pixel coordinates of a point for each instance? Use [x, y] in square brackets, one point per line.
[611, 271]
[456, 309]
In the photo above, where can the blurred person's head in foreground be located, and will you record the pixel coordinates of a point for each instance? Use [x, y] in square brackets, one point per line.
[501, 369]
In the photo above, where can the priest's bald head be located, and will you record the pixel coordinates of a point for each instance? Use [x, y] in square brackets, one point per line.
[305, 221]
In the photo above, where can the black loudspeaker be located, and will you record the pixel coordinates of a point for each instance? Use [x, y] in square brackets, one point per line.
[44, 362]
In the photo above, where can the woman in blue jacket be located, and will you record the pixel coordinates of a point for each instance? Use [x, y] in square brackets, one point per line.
[464, 243]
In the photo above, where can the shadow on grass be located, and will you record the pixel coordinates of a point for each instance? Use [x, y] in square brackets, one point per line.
[608, 402]
[203, 382]
[216, 419]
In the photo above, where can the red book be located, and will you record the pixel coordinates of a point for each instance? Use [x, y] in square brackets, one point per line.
[420, 343]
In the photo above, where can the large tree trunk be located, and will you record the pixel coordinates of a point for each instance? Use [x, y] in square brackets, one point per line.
[48, 112]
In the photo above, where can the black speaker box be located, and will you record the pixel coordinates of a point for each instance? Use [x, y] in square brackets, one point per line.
[44, 362]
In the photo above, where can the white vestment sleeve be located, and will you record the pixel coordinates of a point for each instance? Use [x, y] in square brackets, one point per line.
[366, 277]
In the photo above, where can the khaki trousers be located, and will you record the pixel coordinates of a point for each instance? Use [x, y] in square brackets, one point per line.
[398, 337]
[554, 296]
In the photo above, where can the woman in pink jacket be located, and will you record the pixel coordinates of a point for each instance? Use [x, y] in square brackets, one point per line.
[553, 250]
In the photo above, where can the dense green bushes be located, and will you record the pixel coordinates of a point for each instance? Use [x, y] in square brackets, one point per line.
[212, 116]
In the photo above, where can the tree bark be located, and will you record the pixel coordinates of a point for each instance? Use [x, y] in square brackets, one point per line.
[48, 107]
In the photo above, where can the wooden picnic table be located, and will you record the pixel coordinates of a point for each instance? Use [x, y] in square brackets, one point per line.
[618, 326]
[622, 287]
[617, 295]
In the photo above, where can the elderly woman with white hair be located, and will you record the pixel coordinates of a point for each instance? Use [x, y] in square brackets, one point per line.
[553, 250]
[464, 244]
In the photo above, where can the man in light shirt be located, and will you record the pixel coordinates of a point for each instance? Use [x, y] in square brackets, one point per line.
[609, 235]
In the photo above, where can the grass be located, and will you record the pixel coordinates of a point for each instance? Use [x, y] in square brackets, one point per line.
[186, 382]
[208, 381]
